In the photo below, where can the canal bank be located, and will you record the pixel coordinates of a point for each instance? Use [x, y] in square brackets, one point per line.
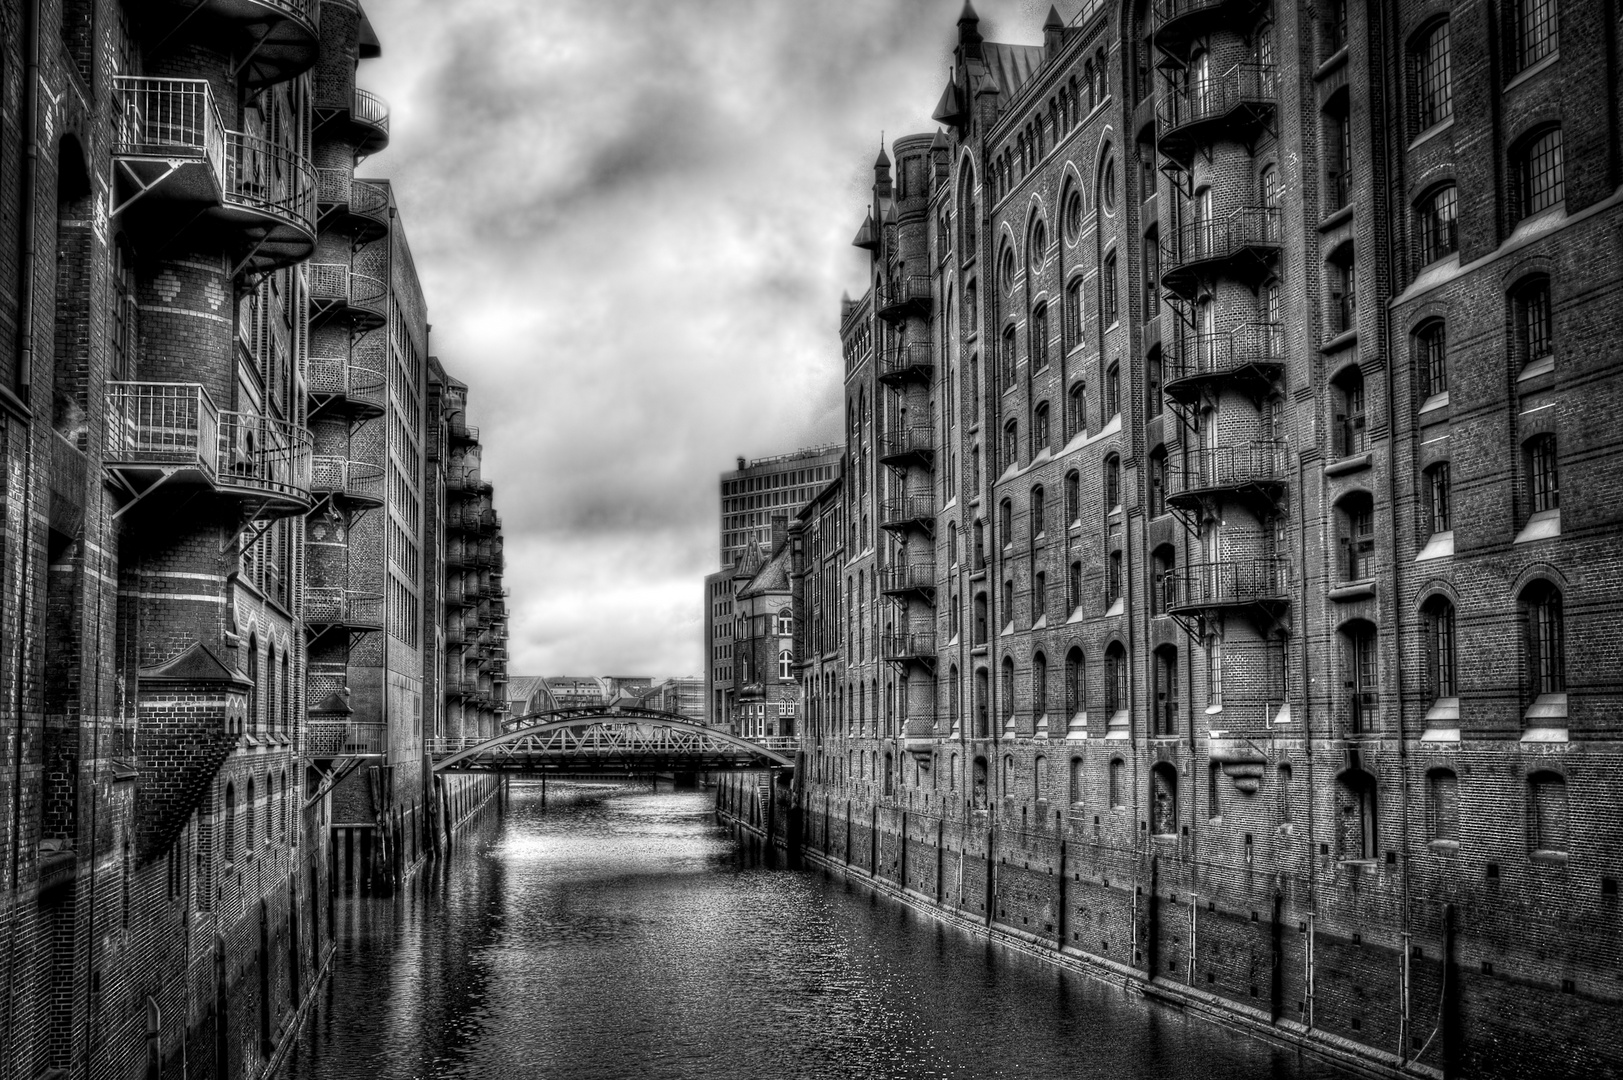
[936, 867]
[631, 936]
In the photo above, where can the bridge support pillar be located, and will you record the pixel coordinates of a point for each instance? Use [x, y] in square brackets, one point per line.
[685, 781]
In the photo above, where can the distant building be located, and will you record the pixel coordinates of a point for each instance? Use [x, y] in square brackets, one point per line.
[759, 489]
[683, 695]
[528, 694]
[570, 691]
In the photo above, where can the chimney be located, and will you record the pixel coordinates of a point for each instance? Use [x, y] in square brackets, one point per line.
[741, 464]
[780, 530]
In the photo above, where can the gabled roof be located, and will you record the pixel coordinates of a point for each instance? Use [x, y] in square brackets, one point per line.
[195, 663]
[1010, 66]
[772, 577]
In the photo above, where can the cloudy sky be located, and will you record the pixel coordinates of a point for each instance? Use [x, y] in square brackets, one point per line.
[632, 220]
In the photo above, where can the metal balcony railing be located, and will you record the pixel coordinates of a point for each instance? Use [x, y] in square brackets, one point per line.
[907, 442]
[344, 738]
[339, 378]
[335, 284]
[270, 179]
[263, 453]
[1247, 231]
[1216, 97]
[1195, 356]
[911, 293]
[1229, 583]
[371, 110]
[459, 430]
[907, 360]
[489, 521]
[358, 480]
[162, 424]
[914, 646]
[329, 606]
[907, 510]
[168, 118]
[913, 577]
[1219, 467]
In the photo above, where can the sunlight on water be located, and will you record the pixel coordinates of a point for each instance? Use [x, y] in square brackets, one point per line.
[632, 937]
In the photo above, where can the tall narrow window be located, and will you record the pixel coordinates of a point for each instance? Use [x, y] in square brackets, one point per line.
[1109, 310]
[1005, 522]
[1533, 32]
[1152, 384]
[1073, 587]
[1076, 408]
[1005, 690]
[1073, 314]
[1443, 791]
[1543, 483]
[1073, 497]
[1115, 678]
[1539, 179]
[228, 847]
[1545, 648]
[1039, 596]
[1343, 291]
[1357, 521]
[1113, 579]
[249, 838]
[1437, 225]
[1431, 358]
[1547, 812]
[1158, 482]
[1152, 273]
[1359, 660]
[1039, 685]
[1351, 435]
[1440, 655]
[1433, 92]
[1439, 512]
[1163, 564]
[1039, 337]
[1535, 330]
[1112, 482]
[1113, 390]
[1166, 690]
[1338, 158]
[1006, 360]
[1011, 445]
[1039, 428]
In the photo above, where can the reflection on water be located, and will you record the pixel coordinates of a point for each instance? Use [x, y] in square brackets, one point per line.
[632, 937]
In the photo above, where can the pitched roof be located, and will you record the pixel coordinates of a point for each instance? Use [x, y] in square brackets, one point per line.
[770, 578]
[1011, 65]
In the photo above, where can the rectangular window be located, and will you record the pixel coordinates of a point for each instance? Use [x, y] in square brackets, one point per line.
[1542, 481]
[1107, 301]
[1540, 174]
[1437, 486]
[1535, 31]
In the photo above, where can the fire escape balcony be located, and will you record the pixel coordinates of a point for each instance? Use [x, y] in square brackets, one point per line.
[462, 518]
[1253, 586]
[359, 483]
[280, 38]
[330, 608]
[337, 383]
[903, 297]
[369, 115]
[918, 736]
[324, 739]
[457, 594]
[270, 201]
[489, 521]
[456, 635]
[458, 431]
[908, 446]
[1234, 105]
[172, 433]
[1248, 358]
[1180, 23]
[1242, 245]
[1252, 474]
[909, 648]
[913, 579]
[339, 293]
[910, 512]
[907, 362]
[360, 207]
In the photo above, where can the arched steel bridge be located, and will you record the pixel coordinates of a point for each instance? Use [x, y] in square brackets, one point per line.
[609, 739]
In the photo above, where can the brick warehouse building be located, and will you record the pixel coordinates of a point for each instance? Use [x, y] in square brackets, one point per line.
[1180, 611]
[211, 402]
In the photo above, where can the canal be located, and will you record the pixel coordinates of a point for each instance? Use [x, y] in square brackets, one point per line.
[631, 937]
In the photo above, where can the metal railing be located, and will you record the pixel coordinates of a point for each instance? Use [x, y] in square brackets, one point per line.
[910, 440]
[1229, 582]
[912, 289]
[168, 118]
[907, 357]
[344, 738]
[370, 109]
[907, 508]
[1260, 462]
[342, 378]
[460, 429]
[1246, 228]
[337, 282]
[1217, 95]
[269, 178]
[903, 578]
[319, 684]
[1195, 355]
[162, 423]
[915, 646]
[330, 606]
[1166, 10]
[340, 476]
[264, 453]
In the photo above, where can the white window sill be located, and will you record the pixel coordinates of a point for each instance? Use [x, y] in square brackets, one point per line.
[1078, 727]
[1119, 726]
[1542, 366]
[1544, 525]
[1431, 405]
[1117, 608]
[1440, 546]
[1041, 623]
[1545, 708]
[1432, 132]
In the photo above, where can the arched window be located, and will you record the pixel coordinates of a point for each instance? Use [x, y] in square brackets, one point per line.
[1112, 483]
[1039, 429]
[1430, 349]
[1443, 806]
[1351, 432]
[1342, 279]
[1113, 390]
[1073, 313]
[1011, 444]
[979, 790]
[890, 774]
[1429, 60]
[1441, 665]
[1073, 497]
[1039, 779]
[1005, 690]
[786, 622]
[1076, 702]
[980, 618]
[1118, 784]
[1039, 685]
[1166, 691]
[1355, 521]
[1113, 578]
[786, 665]
[1154, 398]
[228, 845]
[1356, 817]
[1038, 513]
[1115, 678]
[1076, 782]
[1005, 522]
[1437, 224]
[1534, 328]
[1543, 479]
[983, 726]
[1283, 801]
[1544, 640]
[1163, 574]
[1164, 800]
[249, 837]
[253, 683]
[1077, 410]
[1008, 602]
[953, 697]
[1039, 337]
[1537, 169]
[282, 815]
[1360, 676]
[1109, 295]
[1152, 274]
[1532, 32]
[1547, 812]
[1107, 184]
[1338, 158]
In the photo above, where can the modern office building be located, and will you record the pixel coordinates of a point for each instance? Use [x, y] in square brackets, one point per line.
[760, 489]
[1222, 588]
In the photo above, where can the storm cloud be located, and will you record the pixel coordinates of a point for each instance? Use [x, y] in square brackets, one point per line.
[632, 221]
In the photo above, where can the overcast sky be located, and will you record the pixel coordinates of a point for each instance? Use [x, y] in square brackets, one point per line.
[632, 221]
